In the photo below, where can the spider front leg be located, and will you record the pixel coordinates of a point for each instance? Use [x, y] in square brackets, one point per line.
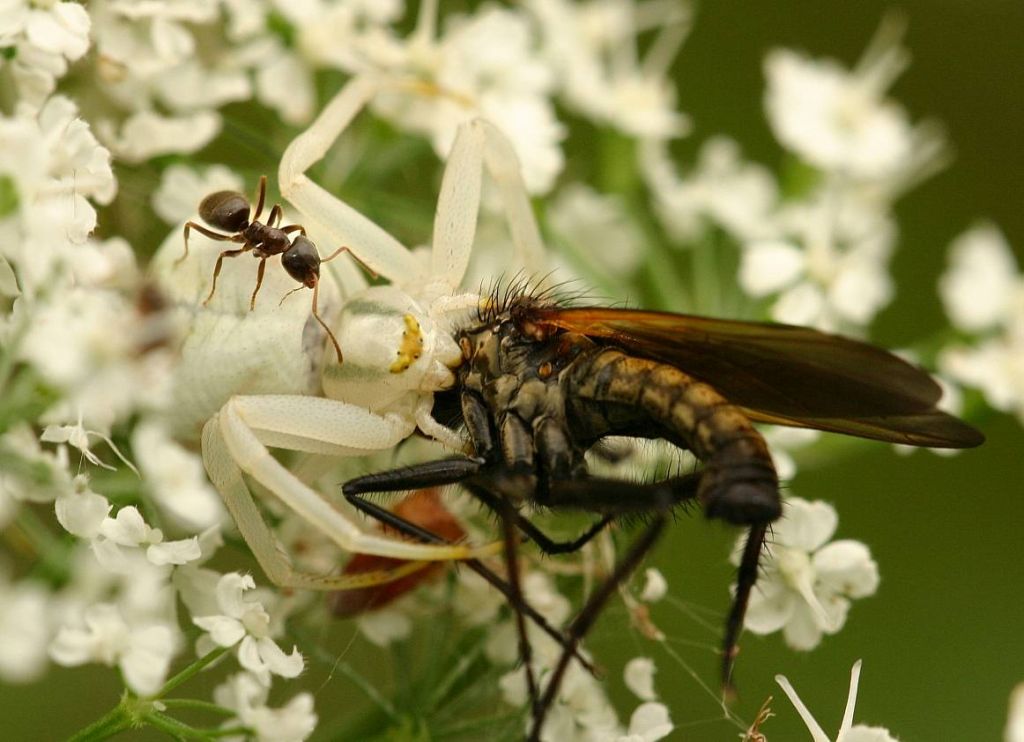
[375, 247]
[235, 441]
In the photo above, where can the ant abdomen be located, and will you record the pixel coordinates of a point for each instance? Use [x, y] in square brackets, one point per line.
[227, 210]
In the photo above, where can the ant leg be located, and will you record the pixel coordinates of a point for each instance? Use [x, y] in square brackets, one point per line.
[343, 248]
[216, 269]
[202, 230]
[260, 198]
[275, 215]
[589, 613]
[316, 315]
[259, 282]
[295, 228]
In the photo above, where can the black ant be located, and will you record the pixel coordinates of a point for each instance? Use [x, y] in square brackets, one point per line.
[229, 210]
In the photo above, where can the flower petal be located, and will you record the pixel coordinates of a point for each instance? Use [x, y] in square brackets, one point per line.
[650, 722]
[224, 630]
[279, 663]
[230, 588]
[805, 525]
[639, 677]
[846, 567]
[174, 552]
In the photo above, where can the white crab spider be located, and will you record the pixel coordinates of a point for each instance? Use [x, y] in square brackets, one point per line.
[397, 341]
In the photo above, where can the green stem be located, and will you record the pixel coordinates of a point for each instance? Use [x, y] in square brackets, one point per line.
[198, 666]
[175, 728]
[446, 683]
[113, 722]
[194, 704]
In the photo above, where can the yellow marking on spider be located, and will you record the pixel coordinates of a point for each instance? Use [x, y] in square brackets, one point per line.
[411, 347]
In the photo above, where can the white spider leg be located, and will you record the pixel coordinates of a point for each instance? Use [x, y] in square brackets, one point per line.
[458, 205]
[346, 226]
[479, 144]
[503, 167]
[272, 558]
[318, 426]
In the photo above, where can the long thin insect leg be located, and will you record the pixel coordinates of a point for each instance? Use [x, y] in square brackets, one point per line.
[745, 578]
[409, 528]
[202, 230]
[260, 198]
[417, 476]
[589, 613]
[216, 269]
[544, 542]
[617, 497]
[275, 216]
[511, 537]
[344, 248]
[316, 316]
[259, 282]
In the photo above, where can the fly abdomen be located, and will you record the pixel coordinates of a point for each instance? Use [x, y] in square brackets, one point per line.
[739, 483]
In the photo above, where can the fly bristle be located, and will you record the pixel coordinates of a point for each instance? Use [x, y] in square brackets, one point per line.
[521, 290]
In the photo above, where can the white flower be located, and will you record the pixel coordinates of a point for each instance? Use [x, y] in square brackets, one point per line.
[385, 626]
[983, 291]
[592, 47]
[128, 529]
[81, 511]
[175, 478]
[245, 623]
[655, 586]
[483, 65]
[847, 731]
[54, 164]
[839, 120]
[828, 261]
[639, 678]
[183, 187]
[147, 134]
[143, 653]
[649, 722]
[24, 630]
[78, 437]
[43, 477]
[245, 695]
[982, 282]
[806, 584]
[1015, 721]
[722, 189]
[45, 37]
[598, 230]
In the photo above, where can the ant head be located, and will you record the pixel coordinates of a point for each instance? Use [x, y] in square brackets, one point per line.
[225, 210]
[302, 261]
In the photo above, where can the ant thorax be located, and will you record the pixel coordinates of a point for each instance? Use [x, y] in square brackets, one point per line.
[394, 350]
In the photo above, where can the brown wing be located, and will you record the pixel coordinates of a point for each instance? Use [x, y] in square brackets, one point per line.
[784, 374]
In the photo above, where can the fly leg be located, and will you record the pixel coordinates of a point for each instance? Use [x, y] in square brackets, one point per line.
[589, 613]
[433, 474]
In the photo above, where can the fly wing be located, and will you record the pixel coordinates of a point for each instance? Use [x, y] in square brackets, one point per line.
[784, 374]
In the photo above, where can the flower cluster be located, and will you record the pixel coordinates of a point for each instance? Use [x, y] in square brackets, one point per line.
[117, 116]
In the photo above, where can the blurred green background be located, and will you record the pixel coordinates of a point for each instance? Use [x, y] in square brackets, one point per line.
[943, 639]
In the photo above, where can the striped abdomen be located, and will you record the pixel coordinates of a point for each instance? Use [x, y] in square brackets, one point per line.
[739, 483]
